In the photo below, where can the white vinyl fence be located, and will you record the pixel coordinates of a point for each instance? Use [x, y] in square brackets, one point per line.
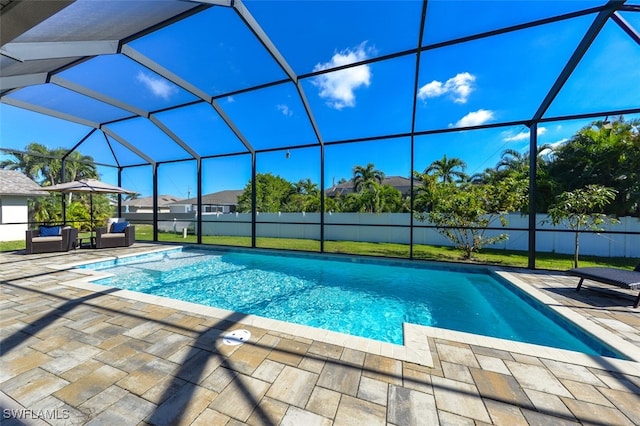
[394, 228]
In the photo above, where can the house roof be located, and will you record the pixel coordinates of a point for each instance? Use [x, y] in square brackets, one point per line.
[400, 183]
[163, 200]
[227, 197]
[13, 182]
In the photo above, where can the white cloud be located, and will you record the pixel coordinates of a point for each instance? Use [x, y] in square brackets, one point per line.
[548, 152]
[230, 99]
[285, 110]
[158, 86]
[475, 118]
[458, 87]
[522, 135]
[338, 87]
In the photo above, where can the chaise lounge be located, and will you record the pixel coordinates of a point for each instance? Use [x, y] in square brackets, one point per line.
[116, 235]
[49, 239]
[617, 277]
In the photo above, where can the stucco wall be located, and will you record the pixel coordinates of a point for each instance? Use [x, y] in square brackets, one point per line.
[14, 214]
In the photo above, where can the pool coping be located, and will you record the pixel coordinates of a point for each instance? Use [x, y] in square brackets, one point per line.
[416, 348]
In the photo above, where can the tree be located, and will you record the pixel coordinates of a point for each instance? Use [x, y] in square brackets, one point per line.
[580, 211]
[364, 177]
[44, 166]
[32, 163]
[425, 191]
[78, 166]
[306, 197]
[375, 199]
[272, 194]
[599, 155]
[462, 213]
[447, 169]
[511, 159]
[134, 196]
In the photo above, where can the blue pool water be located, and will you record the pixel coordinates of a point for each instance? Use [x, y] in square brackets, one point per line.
[368, 299]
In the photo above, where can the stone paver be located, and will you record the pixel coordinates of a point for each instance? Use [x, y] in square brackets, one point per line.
[589, 413]
[626, 402]
[105, 359]
[410, 407]
[459, 398]
[240, 397]
[340, 378]
[296, 417]
[537, 378]
[373, 390]
[324, 402]
[183, 407]
[355, 412]
[88, 386]
[293, 386]
[500, 387]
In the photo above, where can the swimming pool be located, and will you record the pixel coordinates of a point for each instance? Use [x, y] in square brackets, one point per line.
[361, 297]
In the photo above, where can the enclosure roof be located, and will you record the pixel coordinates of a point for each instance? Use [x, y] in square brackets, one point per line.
[153, 81]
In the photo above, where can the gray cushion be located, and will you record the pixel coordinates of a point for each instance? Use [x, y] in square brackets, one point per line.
[113, 235]
[45, 239]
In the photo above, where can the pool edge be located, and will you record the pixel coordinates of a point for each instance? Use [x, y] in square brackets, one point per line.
[416, 348]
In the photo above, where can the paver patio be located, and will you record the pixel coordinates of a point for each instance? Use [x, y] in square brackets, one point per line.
[104, 358]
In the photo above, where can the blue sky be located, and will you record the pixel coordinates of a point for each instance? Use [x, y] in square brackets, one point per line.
[497, 79]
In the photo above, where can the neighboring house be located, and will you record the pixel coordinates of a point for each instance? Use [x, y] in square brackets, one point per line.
[216, 202]
[145, 204]
[15, 189]
[400, 183]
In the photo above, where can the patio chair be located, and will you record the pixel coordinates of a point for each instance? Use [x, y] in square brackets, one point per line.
[120, 234]
[48, 239]
[617, 277]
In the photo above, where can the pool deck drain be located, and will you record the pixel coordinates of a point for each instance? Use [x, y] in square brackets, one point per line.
[108, 357]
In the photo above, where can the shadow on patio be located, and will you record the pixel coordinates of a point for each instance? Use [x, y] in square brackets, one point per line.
[108, 359]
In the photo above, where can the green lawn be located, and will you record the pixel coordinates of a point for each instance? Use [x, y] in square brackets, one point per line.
[437, 253]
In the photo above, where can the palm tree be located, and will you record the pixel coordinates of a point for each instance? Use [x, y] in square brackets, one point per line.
[44, 165]
[32, 165]
[78, 166]
[510, 159]
[446, 169]
[363, 177]
[489, 175]
[306, 187]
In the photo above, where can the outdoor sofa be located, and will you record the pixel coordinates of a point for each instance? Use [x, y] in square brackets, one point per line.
[48, 239]
[116, 234]
[617, 277]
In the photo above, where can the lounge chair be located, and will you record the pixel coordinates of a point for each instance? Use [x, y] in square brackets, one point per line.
[49, 239]
[618, 277]
[117, 235]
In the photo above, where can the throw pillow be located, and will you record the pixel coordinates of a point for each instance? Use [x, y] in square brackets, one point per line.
[49, 231]
[119, 227]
